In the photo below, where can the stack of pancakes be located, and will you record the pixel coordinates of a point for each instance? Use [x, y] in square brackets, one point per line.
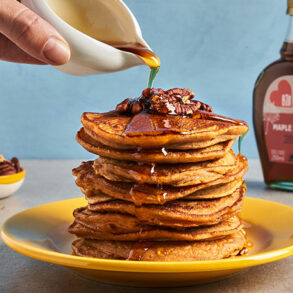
[164, 188]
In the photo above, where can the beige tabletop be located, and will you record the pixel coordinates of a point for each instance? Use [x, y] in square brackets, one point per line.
[49, 181]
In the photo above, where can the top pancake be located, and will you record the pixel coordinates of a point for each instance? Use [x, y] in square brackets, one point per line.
[154, 131]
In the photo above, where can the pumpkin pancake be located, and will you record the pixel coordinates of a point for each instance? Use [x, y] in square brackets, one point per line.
[93, 185]
[154, 155]
[171, 174]
[179, 213]
[153, 131]
[161, 251]
[101, 197]
[216, 191]
[183, 146]
[114, 226]
[201, 144]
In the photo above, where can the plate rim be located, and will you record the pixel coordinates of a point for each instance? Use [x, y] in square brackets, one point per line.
[68, 260]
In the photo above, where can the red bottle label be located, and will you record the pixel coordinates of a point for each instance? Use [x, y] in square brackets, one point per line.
[278, 120]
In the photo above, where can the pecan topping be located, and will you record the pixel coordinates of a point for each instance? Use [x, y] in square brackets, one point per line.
[177, 101]
[9, 167]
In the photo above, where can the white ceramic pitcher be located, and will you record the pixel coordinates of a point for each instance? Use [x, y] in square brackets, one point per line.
[92, 28]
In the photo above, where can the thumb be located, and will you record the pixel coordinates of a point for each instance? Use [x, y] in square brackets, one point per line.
[32, 34]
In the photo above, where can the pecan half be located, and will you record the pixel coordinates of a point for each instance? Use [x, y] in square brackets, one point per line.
[129, 106]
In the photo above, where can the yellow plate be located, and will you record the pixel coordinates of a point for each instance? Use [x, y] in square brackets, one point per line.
[41, 233]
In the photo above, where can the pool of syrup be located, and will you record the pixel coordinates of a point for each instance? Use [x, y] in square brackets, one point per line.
[150, 124]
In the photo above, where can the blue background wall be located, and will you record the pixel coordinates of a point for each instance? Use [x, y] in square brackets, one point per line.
[217, 48]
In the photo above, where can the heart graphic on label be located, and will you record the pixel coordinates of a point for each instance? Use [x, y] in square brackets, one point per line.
[282, 97]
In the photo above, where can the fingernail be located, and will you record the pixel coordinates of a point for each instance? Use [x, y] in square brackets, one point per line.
[56, 51]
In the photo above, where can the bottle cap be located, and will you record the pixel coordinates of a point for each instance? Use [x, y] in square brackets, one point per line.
[290, 7]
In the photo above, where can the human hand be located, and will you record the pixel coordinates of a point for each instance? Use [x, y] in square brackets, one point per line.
[27, 38]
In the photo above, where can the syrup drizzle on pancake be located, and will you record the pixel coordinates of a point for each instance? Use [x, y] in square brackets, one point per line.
[145, 123]
[138, 250]
[240, 140]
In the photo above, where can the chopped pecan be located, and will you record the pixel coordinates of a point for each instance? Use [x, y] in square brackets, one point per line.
[175, 101]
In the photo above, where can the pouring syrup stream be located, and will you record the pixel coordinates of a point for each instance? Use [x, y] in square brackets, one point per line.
[148, 57]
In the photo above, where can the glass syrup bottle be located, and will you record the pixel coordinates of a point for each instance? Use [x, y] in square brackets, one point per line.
[273, 115]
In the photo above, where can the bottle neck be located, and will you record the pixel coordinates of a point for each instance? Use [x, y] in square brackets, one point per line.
[287, 48]
[289, 36]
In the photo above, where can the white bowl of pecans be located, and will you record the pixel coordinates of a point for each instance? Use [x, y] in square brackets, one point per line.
[11, 176]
